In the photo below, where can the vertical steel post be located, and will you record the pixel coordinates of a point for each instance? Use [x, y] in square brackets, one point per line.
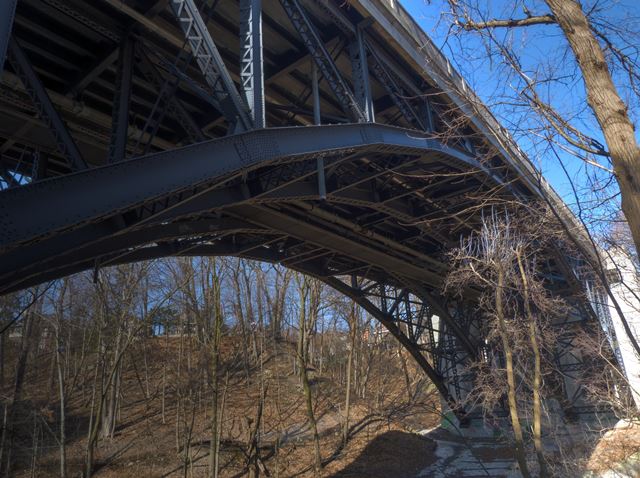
[7, 12]
[428, 114]
[360, 75]
[251, 59]
[315, 93]
[40, 164]
[322, 185]
[121, 101]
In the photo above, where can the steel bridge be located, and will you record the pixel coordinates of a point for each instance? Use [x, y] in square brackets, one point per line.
[331, 137]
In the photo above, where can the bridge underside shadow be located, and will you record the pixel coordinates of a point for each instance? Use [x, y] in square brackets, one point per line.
[367, 208]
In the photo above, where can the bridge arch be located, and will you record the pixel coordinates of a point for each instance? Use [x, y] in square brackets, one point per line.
[374, 226]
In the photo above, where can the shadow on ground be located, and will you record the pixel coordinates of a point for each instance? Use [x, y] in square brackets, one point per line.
[392, 454]
[475, 453]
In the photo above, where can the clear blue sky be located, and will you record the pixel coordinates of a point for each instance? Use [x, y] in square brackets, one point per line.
[543, 48]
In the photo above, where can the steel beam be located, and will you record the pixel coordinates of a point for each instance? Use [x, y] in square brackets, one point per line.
[121, 101]
[320, 55]
[7, 13]
[322, 185]
[428, 115]
[80, 112]
[87, 76]
[251, 59]
[315, 93]
[166, 101]
[46, 110]
[210, 62]
[191, 166]
[94, 71]
[40, 165]
[360, 75]
[393, 89]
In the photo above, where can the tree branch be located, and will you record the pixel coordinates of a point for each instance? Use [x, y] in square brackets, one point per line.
[509, 23]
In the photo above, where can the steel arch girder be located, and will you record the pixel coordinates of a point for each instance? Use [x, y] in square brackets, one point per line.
[94, 240]
[37, 210]
[78, 247]
[225, 248]
[387, 321]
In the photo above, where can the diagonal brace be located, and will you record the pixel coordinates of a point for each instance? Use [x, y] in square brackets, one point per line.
[211, 64]
[36, 91]
[323, 60]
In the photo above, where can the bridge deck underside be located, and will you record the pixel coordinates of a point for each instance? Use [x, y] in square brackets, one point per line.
[393, 203]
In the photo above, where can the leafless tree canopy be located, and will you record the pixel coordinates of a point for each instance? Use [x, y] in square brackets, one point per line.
[565, 80]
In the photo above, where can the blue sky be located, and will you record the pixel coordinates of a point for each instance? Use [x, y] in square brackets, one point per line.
[544, 49]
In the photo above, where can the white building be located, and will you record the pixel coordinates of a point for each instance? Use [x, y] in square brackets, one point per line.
[624, 281]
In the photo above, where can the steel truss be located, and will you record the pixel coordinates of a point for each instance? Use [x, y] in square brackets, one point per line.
[415, 324]
[251, 59]
[210, 62]
[323, 60]
[166, 102]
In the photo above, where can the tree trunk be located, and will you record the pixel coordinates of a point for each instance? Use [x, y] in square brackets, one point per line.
[537, 372]
[63, 439]
[215, 354]
[92, 418]
[511, 393]
[347, 392]
[6, 442]
[2, 348]
[304, 377]
[608, 107]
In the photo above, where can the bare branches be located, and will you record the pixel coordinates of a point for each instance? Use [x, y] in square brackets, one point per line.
[575, 101]
[508, 23]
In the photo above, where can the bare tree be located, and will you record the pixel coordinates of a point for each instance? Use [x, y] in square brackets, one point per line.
[605, 53]
[309, 296]
[502, 261]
